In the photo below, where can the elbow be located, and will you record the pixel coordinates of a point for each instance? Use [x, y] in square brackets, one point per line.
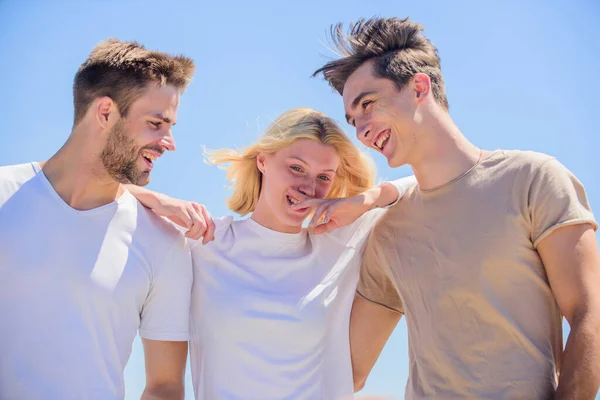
[359, 382]
[164, 392]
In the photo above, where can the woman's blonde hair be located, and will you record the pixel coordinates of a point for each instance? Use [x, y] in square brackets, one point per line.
[355, 174]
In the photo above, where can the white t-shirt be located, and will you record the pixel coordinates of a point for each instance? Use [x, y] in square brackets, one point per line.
[75, 287]
[270, 311]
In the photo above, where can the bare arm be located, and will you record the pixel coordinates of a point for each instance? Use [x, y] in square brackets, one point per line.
[187, 214]
[165, 369]
[331, 214]
[370, 327]
[145, 196]
[572, 262]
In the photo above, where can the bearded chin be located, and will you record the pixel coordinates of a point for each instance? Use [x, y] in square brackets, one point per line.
[119, 157]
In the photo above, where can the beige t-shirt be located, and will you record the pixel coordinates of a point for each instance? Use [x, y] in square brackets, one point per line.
[482, 320]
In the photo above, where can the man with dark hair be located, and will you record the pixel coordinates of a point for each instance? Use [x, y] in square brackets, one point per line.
[484, 255]
[84, 265]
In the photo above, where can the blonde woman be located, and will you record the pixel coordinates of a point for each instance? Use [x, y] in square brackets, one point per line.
[271, 301]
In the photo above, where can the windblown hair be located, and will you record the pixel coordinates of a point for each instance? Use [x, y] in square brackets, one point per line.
[396, 47]
[122, 70]
[355, 174]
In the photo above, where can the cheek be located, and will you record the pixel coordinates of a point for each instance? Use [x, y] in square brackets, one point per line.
[323, 190]
[275, 183]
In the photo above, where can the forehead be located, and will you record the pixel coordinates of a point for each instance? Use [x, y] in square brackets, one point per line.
[360, 80]
[316, 155]
[157, 100]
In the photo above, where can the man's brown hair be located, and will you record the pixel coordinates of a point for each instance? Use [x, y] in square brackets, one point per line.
[122, 70]
[396, 47]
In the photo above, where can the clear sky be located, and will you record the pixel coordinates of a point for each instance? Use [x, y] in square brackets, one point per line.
[519, 75]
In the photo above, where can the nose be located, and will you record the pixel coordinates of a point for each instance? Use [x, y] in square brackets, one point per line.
[167, 142]
[307, 188]
[364, 133]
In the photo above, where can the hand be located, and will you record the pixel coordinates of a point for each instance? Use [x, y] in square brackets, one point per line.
[188, 214]
[331, 214]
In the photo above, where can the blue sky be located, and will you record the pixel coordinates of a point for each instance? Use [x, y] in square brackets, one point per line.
[519, 75]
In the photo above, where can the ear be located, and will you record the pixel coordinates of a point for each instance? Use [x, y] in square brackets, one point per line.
[260, 162]
[105, 110]
[422, 86]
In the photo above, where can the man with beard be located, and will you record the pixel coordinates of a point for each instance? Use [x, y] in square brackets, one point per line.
[84, 265]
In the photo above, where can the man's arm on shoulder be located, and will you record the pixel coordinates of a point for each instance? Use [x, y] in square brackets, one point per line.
[572, 262]
[165, 369]
[371, 325]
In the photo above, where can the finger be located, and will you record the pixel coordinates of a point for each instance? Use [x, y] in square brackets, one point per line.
[300, 198]
[325, 227]
[319, 215]
[183, 216]
[179, 222]
[297, 194]
[326, 217]
[308, 203]
[209, 234]
[199, 225]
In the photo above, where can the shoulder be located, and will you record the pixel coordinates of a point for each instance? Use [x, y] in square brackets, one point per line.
[161, 235]
[353, 235]
[513, 168]
[223, 225]
[18, 174]
[526, 160]
[13, 177]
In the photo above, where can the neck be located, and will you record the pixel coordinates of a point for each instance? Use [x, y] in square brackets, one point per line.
[445, 153]
[77, 174]
[263, 215]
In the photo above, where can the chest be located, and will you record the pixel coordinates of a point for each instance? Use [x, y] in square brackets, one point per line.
[474, 245]
[54, 262]
[266, 299]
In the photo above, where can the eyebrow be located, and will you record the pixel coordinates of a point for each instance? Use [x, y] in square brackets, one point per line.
[357, 100]
[165, 119]
[304, 162]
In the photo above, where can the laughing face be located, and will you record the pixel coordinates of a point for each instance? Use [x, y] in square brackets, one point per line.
[136, 141]
[306, 166]
[384, 117]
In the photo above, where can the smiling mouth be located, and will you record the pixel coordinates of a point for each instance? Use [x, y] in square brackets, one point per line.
[150, 157]
[382, 140]
[291, 201]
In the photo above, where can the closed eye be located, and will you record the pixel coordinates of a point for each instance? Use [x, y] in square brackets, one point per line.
[156, 125]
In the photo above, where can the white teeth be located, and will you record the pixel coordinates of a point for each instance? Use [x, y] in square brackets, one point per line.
[150, 156]
[382, 139]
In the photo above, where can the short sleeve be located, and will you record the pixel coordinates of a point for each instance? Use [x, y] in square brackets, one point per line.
[556, 199]
[166, 311]
[402, 184]
[376, 281]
